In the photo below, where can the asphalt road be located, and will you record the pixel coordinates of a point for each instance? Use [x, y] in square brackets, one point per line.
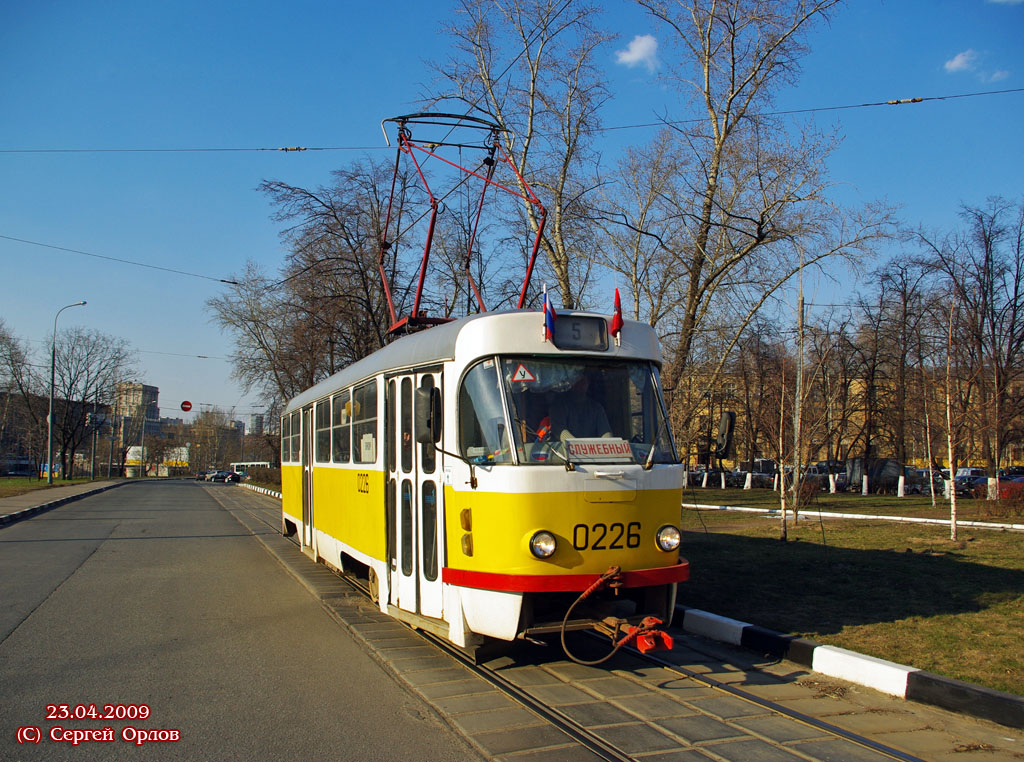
[154, 595]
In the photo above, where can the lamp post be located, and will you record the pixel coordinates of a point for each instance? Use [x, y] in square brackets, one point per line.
[49, 417]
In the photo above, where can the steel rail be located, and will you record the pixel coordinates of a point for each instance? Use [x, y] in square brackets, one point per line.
[595, 743]
[772, 706]
[563, 722]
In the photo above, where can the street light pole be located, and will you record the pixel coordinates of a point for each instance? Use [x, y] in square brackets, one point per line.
[49, 417]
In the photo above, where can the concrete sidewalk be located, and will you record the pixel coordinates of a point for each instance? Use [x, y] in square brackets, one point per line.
[36, 501]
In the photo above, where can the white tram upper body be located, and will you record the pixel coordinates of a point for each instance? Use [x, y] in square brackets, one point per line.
[553, 462]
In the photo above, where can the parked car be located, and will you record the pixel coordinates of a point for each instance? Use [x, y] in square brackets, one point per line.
[969, 471]
[914, 481]
[883, 474]
[971, 486]
[224, 476]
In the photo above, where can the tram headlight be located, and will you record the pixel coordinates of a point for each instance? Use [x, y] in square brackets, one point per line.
[543, 544]
[668, 538]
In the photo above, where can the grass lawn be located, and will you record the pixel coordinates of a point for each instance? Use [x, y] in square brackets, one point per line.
[905, 593]
[19, 485]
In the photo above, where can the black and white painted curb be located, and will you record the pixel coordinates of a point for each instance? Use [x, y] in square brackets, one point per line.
[885, 676]
[12, 518]
[263, 491]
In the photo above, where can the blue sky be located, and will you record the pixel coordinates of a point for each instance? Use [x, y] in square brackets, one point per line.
[120, 74]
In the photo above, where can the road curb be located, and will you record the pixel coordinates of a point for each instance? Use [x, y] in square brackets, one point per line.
[13, 518]
[263, 491]
[885, 676]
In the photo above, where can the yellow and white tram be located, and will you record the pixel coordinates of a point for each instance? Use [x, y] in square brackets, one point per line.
[484, 477]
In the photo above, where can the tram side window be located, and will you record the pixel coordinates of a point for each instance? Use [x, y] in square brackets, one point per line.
[389, 427]
[406, 424]
[364, 422]
[341, 426]
[296, 435]
[428, 452]
[482, 433]
[323, 432]
[407, 545]
[428, 506]
[286, 439]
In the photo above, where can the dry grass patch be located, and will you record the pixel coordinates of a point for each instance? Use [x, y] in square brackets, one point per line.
[904, 593]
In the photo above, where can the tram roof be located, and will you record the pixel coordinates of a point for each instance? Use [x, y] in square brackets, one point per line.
[488, 333]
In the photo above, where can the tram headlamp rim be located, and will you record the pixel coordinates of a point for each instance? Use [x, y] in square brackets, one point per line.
[670, 540]
[543, 544]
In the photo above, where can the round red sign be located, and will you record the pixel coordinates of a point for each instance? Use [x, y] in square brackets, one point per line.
[186, 406]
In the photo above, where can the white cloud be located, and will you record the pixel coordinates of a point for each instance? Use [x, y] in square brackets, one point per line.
[966, 61]
[972, 61]
[642, 50]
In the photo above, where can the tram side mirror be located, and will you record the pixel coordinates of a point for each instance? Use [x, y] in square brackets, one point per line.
[428, 415]
[723, 445]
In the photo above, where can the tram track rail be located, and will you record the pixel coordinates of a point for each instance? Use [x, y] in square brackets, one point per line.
[773, 706]
[591, 739]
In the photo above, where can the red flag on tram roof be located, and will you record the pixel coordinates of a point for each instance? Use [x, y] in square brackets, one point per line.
[617, 321]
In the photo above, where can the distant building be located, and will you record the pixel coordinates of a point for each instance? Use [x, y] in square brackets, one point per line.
[137, 405]
[256, 424]
[130, 398]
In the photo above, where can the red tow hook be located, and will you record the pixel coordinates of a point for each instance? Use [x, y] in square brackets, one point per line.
[649, 637]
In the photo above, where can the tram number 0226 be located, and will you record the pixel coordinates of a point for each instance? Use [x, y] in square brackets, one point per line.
[606, 536]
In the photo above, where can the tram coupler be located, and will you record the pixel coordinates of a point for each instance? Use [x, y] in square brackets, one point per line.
[648, 637]
[611, 626]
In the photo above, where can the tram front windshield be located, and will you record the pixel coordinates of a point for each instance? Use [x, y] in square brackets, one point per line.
[553, 410]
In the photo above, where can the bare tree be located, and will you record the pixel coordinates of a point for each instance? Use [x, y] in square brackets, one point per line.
[753, 203]
[87, 366]
[902, 313]
[23, 423]
[529, 66]
[983, 269]
[640, 227]
[328, 308]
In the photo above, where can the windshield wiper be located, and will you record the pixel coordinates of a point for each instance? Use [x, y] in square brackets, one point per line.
[649, 463]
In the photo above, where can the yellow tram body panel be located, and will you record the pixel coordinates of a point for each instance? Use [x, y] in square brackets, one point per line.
[291, 491]
[593, 531]
[349, 506]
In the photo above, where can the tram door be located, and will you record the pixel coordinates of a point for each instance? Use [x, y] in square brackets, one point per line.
[307, 477]
[414, 498]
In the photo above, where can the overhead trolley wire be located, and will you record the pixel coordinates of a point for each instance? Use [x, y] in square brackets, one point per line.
[639, 125]
[287, 149]
[122, 261]
[816, 109]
